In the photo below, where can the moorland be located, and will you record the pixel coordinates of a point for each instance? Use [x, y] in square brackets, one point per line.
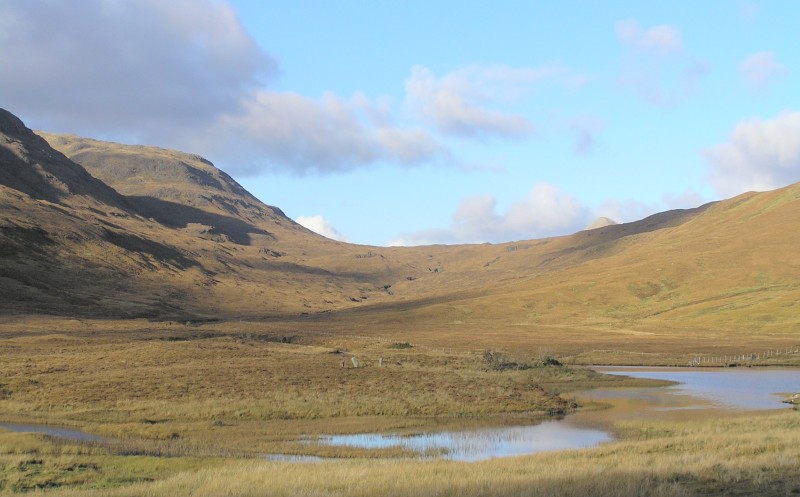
[147, 298]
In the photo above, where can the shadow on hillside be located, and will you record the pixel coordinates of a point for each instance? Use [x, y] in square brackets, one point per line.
[176, 215]
[668, 219]
[599, 242]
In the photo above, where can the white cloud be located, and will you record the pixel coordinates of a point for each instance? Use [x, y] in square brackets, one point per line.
[625, 211]
[656, 66]
[759, 155]
[141, 68]
[184, 74]
[688, 199]
[469, 102]
[661, 40]
[545, 211]
[321, 226]
[760, 70]
[277, 131]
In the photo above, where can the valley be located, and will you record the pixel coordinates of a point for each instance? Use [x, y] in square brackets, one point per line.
[147, 298]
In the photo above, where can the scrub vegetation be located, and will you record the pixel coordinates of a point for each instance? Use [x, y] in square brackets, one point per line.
[147, 298]
[191, 410]
[753, 455]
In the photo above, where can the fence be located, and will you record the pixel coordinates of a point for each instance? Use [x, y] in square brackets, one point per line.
[742, 358]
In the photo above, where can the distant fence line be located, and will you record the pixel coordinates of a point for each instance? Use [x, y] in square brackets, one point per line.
[706, 359]
[380, 339]
[751, 357]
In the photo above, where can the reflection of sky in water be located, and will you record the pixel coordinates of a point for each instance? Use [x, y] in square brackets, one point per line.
[54, 431]
[699, 389]
[731, 388]
[484, 443]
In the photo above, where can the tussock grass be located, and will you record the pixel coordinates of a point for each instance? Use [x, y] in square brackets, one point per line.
[213, 390]
[189, 409]
[753, 455]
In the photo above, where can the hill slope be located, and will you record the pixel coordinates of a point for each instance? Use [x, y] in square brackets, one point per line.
[175, 188]
[171, 235]
[202, 248]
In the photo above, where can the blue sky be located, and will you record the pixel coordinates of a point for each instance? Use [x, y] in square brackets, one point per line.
[429, 122]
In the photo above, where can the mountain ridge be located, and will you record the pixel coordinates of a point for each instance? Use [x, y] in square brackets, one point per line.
[173, 237]
[31, 167]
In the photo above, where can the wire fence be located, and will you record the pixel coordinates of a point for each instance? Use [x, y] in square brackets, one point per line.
[722, 360]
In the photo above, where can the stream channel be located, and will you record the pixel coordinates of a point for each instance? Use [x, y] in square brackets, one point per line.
[697, 393]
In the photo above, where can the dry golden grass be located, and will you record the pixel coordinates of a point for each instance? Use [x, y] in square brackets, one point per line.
[271, 315]
[753, 455]
[226, 387]
[694, 281]
[187, 407]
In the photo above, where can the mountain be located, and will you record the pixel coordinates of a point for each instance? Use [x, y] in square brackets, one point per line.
[171, 237]
[32, 167]
[175, 188]
[102, 229]
[725, 267]
[601, 222]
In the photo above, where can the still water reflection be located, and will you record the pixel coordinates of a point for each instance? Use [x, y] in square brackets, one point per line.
[54, 431]
[732, 388]
[482, 443]
[697, 393]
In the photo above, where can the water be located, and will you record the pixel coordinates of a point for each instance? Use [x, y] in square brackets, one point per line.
[480, 443]
[54, 431]
[703, 388]
[698, 391]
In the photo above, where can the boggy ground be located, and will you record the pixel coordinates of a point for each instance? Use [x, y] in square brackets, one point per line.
[231, 387]
[753, 455]
[188, 409]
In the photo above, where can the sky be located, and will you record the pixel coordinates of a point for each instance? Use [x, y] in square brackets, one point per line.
[410, 123]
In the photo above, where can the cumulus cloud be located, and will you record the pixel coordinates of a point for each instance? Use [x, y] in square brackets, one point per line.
[625, 211]
[759, 155]
[141, 68]
[662, 39]
[321, 226]
[656, 66]
[289, 130]
[688, 199]
[185, 74]
[468, 102]
[545, 211]
[760, 70]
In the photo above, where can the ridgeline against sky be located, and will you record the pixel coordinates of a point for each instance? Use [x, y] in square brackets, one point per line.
[412, 122]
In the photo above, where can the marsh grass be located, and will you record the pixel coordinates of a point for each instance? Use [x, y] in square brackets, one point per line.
[218, 392]
[752, 455]
[192, 415]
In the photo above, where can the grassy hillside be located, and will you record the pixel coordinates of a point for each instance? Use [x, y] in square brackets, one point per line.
[174, 237]
[148, 298]
[188, 244]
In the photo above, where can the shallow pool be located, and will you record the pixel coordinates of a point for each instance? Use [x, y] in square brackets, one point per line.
[699, 391]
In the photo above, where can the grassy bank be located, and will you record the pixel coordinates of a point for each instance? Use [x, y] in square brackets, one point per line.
[223, 388]
[187, 409]
[753, 455]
